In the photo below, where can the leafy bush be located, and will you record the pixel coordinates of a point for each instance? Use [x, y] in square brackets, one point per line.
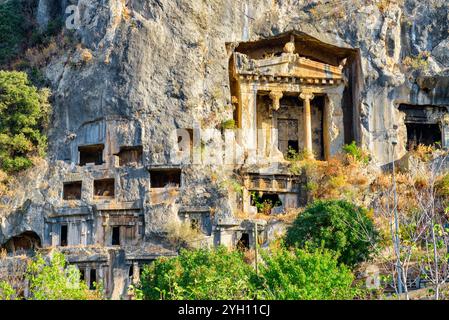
[12, 30]
[228, 124]
[264, 206]
[417, 63]
[356, 152]
[182, 235]
[198, 275]
[302, 275]
[57, 281]
[339, 226]
[220, 275]
[7, 292]
[24, 112]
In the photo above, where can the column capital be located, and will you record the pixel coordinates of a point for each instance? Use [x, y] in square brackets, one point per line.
[305, 95]
[276, 96]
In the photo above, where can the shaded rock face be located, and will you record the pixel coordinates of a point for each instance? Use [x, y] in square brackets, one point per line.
[146, 68]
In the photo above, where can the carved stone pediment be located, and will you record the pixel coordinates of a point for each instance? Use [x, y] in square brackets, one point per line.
[286, 65]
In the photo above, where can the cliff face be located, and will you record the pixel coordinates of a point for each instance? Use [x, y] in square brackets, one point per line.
[145, 68]
[166, 62]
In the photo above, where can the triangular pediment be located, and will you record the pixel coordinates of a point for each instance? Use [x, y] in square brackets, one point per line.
[293, 55]
[286, 65]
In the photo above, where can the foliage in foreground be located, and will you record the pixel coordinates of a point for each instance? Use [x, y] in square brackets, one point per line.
[221, 274]
[57, 281]
[7, 292]
[198, 275]
[339, 226]
[52, 280]
[24, 112]
[305, 275]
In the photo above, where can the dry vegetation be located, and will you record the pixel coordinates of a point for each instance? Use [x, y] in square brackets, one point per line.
[182, 235]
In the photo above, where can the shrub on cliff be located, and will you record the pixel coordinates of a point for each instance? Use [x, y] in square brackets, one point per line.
[336, 225]
[24, 112]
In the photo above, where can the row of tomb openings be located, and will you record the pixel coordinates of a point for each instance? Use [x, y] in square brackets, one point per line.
[93, 155]
[421, 129]
[121, 231]
[105, 188]
[118, 235]
[95, 275]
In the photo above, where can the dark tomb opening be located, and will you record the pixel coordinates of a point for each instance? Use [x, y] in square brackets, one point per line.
[115, 236]
[93, 279]
[104, 188]
[72, 190]
[243, 243]
[64, 235]
[165, 178]
[425, 134]
[91, 154]
[266, 202]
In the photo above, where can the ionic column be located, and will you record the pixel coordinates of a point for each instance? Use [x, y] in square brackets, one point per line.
[307, 97]
[445, 131]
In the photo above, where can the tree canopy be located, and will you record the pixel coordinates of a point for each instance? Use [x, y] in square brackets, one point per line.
[336, 225]
[24, 113]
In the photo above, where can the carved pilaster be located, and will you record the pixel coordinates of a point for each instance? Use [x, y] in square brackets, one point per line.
[334, 128]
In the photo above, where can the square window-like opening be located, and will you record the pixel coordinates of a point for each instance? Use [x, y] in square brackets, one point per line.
[116, 236]
[104, 188]
[165, 178]
[92, 154]
[265, 202]
[243, 243]
[130, 155]
[72, 190]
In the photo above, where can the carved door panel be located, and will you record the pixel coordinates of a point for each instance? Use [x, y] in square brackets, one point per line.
[129, 235]
[288, 135]
[74, 234]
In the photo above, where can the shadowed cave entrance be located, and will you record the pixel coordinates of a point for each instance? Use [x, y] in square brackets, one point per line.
[27, 242]
[425, 134]
[423, 124]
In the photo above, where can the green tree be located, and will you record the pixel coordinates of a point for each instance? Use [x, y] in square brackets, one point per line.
[198, 275]
[299, 274]
[339, 226]
[55, 280]
[24, 113]
[12, 29]
[7, 292]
